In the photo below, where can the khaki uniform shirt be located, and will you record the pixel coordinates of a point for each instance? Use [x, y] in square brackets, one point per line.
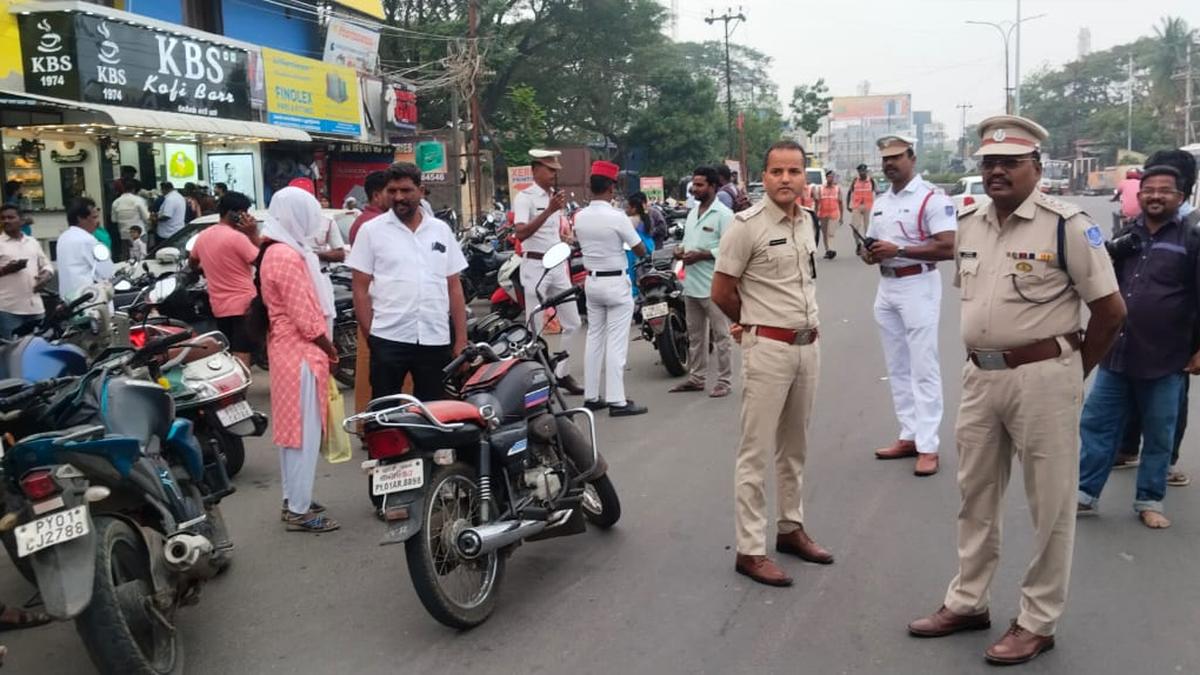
[1013, 291]
[771, 255]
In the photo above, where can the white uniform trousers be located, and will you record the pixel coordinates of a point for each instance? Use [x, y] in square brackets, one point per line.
[907, 311]
[557, 281]
[609, 310]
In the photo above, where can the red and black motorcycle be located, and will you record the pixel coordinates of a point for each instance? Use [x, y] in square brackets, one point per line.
[462, 483]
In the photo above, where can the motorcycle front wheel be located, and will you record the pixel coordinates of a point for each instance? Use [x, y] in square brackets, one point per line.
[458, 592]
[124, 633]
[601, 506]
[673, 344]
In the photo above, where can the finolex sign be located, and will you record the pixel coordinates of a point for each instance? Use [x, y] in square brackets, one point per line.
[98, 59]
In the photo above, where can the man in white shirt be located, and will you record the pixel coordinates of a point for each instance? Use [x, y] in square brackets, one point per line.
[407, 291]
[172, 212]
[128, 210]
[23, 267]
[603, 232]
[78, 266]
[914, 224]
[537, 218]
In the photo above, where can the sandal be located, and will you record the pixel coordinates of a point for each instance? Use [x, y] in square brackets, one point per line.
[720, 391]
[24, 619]
[313, 506]
[311, 522]
[1178, 478]
[687, 386]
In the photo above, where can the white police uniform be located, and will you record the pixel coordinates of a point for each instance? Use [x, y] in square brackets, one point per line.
[908, 304]
[527, 205]
[603, 232]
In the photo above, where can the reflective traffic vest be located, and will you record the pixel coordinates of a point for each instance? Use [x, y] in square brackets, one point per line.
[863, 195]
[830, 206]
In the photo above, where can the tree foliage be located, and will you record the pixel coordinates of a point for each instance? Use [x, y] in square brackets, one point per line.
[810, 104]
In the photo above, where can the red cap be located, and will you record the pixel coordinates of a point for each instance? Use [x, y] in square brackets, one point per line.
[606, 169]
[305, 184]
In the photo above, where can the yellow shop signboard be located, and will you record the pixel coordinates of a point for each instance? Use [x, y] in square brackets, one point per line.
[311, 95]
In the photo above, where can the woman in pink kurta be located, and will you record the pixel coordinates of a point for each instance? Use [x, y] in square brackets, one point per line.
[300, 352]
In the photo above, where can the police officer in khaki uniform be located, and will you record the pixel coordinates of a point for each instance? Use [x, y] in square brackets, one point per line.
[764, 284]
[1024, 263]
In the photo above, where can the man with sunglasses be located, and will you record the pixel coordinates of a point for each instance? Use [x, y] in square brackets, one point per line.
[1025, 265]
[1147, 368]
[913, 224]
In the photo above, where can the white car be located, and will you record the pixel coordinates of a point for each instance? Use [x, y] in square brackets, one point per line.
[969, 191]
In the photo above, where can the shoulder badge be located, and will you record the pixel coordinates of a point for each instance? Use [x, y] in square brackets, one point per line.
[1094, 236]
[747, 214]
[968, 210]
[1061, 208]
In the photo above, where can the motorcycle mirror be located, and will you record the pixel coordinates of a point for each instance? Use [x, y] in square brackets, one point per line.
[556, 255]
[123, 285]
[101, 253]
[163, 288]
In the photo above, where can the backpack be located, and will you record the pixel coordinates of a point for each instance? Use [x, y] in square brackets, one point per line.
[257, 320]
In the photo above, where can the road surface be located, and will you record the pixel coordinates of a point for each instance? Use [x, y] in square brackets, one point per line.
[658, 594]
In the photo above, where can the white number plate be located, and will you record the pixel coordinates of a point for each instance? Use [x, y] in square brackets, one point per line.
[397, 477]
[234, 413]
[654, 311]
[52, 530]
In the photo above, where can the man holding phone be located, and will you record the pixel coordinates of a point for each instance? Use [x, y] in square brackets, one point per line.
[23, 268]
[226, 253]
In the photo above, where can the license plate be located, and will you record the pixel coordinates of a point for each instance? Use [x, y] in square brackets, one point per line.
[234, 413]
[52, 530]
[655, 311]
[397, 477]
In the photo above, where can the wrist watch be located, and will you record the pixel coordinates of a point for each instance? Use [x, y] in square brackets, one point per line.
[900, 253]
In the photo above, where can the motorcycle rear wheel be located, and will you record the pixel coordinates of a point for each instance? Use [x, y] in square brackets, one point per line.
[601, 506]
[234, 449]
[451, 502]
[673, 345]
[121, 633]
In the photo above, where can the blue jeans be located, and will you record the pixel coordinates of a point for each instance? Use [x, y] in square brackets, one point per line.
[1101, 427]
[10, 323]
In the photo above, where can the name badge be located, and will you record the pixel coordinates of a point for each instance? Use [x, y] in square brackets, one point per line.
[439, 247]
[777, 242]
[708, 229]
[969, 255]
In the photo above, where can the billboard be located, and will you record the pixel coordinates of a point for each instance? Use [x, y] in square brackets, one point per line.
[652, 186]
[519, 178]
[879, 106]
[349, 44]
[307, 94]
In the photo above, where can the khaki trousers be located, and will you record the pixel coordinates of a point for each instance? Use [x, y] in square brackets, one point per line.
[703, 318]
[861, 218]
[1031, 412]
[779, 384]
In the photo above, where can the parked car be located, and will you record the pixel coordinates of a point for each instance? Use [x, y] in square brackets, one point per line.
[969, 191]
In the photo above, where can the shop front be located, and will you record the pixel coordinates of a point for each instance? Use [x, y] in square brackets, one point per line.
[120, 93]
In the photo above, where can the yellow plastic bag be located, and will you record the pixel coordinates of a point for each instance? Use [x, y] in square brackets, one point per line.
[335, 445]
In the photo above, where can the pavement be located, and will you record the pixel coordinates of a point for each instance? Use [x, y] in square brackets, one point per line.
[658, 593]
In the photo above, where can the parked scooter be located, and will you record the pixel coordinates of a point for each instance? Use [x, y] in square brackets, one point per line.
[462, 483]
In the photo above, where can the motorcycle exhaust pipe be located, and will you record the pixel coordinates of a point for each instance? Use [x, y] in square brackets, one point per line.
[474, 542]
[189, 555]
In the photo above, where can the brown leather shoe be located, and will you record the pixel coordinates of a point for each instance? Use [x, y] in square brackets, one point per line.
[927, 464]
[1018, 646]
[897, 450]
[944, 622]
[799, 544]
[762, 569]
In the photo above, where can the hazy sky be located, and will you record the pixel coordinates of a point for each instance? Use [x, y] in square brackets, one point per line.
[923, 46]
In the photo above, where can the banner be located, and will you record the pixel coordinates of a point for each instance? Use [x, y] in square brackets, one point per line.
[430, 158]
[307, 94]
[519, 178]
[369, 7]
[97, 60]
[652, 186]
[349, 44]
[400, 105]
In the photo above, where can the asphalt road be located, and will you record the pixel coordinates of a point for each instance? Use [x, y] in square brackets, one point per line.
[658, 593]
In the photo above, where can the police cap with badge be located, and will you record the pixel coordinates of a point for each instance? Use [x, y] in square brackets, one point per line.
[547, 158]
[891, 145]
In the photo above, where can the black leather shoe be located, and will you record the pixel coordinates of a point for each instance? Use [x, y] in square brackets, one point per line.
[628, 410]
[569, 385]
[595, 404]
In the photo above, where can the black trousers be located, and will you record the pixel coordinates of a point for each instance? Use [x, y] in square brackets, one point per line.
[392, 361]
[1131, 444]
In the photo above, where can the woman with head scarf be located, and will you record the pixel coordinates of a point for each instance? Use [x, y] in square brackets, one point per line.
[299, 349]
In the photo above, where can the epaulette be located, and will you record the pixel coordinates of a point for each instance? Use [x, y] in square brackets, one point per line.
[1059, 208]
[968, 210]
[749, 213]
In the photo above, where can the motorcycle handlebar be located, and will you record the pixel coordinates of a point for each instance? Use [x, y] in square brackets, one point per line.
[559, 298]
[74, 304]
[22, 397]
[162, 344]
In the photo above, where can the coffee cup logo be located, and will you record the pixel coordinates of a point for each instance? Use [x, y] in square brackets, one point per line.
[50, 41]
[110, 52]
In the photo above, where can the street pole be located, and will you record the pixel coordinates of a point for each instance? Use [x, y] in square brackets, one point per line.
[1129, 113]
[477, 154]
[1187, 98]
[962, 140]
[1006, 31]
[1017, 60]
[727, 18]
[456, 151]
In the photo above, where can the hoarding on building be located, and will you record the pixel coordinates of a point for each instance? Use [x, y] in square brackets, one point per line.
[519, 178]
[100, 60]
[369, 7]
[307, 94]
[652, 186]
[870, 107]
[352, 45]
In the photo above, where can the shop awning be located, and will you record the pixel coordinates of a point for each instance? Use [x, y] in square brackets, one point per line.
[138, 118]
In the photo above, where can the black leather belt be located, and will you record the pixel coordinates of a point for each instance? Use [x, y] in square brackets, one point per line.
[607, 273]
[906, 271]
[534, 255]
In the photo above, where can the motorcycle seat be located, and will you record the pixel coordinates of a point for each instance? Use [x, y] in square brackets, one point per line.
[449, 412]
[199, 348]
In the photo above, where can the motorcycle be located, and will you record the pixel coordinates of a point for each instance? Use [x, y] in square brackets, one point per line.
[462, 483]
[663, 313]
[508, 299]
[119, 515]
[484, 260]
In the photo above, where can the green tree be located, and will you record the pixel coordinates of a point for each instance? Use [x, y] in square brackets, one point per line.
[681, 128]
[810, 103]
[1166, 60]
[522, 124]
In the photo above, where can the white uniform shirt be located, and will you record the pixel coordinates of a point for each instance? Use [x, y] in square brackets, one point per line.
[171, 214]
[409, 295]
[129, 210]
[602, 232]
[529, 204]
[18, 291]
[77, 264]
[894, 217]
[328, 237]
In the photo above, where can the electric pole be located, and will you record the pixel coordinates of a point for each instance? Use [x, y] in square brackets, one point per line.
[477, 149]
[1129, 113]
[962, 140]
[1017, 70]
[728, 18]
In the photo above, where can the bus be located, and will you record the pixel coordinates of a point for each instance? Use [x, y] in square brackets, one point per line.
[1056, 176]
